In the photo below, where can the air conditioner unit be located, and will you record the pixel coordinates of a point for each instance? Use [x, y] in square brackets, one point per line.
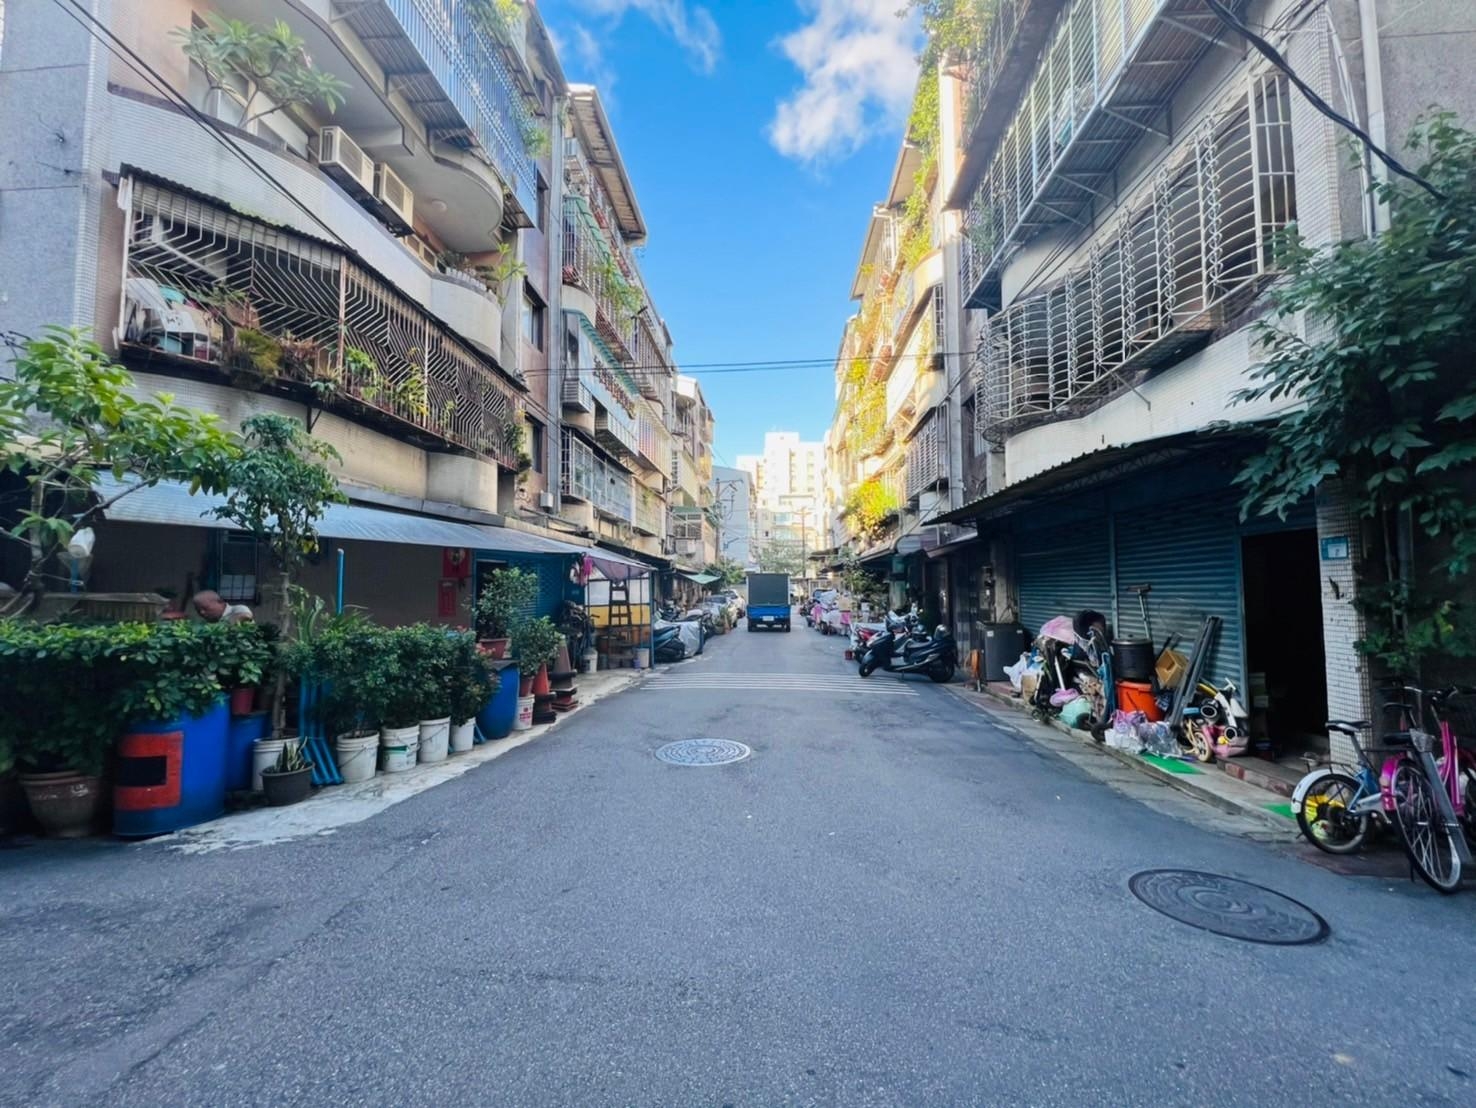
[546, 501]
[391, 192]
[342, 159]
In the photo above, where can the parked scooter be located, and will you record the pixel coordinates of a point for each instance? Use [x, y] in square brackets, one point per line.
[666, 643]
[898, 651]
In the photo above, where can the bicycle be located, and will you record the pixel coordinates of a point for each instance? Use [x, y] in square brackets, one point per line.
[1337, 810]
[1434, 802]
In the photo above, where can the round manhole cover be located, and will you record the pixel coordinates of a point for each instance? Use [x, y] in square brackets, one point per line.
[703, 752]
[1226, 906]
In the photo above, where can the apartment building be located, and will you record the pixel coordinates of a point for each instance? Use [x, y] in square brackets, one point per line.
[734, 506]
[1124, 169]
[401, 263]
[788, 481]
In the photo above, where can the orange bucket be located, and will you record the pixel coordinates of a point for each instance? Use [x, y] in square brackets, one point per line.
[1137, 696]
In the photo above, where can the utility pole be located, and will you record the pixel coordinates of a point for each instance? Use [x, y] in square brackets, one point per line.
[804, 546]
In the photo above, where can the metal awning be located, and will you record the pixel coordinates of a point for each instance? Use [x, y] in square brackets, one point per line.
[1101, 466]
[702, 578]
[171, 503]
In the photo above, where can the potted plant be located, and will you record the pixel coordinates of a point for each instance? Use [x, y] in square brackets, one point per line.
[537, 645]
[471, 685]
[393, 695]
[505, 595]
[426, 657]
[290, 778]
[243, 659]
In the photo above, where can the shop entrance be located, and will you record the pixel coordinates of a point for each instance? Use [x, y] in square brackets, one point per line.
[1284, 652]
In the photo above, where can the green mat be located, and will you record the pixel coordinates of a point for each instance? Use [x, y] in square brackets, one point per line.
[1172, 765]
[1282, 809]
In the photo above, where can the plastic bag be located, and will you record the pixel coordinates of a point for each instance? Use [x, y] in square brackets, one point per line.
[1017, 671]
[1158, 738]
[1125, 730]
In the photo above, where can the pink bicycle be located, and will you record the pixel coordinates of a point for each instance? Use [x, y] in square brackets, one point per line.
[1434, 802]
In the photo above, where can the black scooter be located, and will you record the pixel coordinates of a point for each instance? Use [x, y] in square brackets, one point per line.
[937, 657]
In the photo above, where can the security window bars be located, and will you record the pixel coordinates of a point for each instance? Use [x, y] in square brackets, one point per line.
[1195, 242]
[270, 307]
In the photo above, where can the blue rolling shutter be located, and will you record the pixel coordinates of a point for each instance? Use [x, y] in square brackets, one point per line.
[1061, 571]
[1189, 551]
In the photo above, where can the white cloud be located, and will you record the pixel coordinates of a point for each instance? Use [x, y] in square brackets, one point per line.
[594, 67]
[859, 62]
[693, 28]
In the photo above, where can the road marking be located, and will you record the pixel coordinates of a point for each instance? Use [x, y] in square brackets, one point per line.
[845, 685]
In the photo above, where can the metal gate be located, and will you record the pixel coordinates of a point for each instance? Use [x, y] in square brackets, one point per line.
[1061, 571]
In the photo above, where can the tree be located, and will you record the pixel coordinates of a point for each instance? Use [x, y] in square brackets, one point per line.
[727, 571]
[67, 414]
[279, 488]
[1387, 399]
[271, 62]
[782, 556]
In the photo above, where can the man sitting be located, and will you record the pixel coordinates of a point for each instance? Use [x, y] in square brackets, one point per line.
[212, 609]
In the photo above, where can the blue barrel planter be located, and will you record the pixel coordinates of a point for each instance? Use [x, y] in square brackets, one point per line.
[243, 732]
[495, 721]
[171, 775]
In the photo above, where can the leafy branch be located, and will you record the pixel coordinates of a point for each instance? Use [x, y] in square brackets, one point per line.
[272, 62]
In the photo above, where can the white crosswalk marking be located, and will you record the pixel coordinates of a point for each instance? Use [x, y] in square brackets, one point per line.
[847, 684]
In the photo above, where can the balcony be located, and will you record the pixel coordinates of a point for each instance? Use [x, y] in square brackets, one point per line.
[460, 81]
[654, 443]
[586, 476]
[650, 513]
[591, 265]
[927, 457]
[615, 433]
[207, 288]
[576, 394]
[1104, 80]
[1187, 254]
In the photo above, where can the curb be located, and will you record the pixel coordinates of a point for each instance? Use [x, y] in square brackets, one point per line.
[1182, 782]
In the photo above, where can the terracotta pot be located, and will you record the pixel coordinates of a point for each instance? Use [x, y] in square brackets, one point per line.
[541, 686]
[525, 684]
[243, 701]
[64, 804]
[493, 648]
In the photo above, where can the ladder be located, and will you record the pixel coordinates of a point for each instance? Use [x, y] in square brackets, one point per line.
[620, 626]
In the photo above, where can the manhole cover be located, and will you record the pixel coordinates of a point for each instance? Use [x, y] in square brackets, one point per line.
[1229, 907]
[703, 752]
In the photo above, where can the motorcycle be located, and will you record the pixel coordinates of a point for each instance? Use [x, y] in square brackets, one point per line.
[897, 651]
[667, 645]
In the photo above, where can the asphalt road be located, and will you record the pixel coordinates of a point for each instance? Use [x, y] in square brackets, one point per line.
[892, 901]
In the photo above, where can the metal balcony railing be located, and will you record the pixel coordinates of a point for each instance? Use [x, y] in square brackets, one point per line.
[926, 464]
[590, 264]
[457, 78]
[283, 312]
[1183, 257]
[616, 433]
[576, 394]
[1102, 82]
[586, 476]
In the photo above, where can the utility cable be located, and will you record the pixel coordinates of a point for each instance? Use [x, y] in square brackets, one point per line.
[1229, 18]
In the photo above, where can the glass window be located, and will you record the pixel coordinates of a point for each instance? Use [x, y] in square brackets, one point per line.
[533, 313]
[535, 444]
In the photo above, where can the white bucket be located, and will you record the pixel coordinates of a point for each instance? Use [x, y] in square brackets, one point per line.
[397, 748]
[525, 714]
[643, 657]
[264, 756]
[435, 734]
[356, 754]
[463, 736]
[591, 661]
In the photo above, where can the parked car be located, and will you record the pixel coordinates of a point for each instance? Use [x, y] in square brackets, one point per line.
[733, 601]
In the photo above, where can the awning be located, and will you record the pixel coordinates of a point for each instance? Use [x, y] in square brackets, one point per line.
[1100, 466]
[968, 538]
[702, 578]
[918, 542]
[171, 503]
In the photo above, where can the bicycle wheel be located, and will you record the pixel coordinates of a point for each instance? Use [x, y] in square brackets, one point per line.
[1427, 841]
[1199, 744]
[1324, 817]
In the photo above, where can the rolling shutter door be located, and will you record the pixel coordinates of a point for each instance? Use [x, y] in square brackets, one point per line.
[1061, 571]
[1190, 553]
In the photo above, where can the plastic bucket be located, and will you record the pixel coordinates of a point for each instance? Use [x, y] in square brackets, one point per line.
[264, 756]
[398, 747]
[463, 736]
[525, 714]
[356, 756]
[1134, 659]
[435, 738]
[643, 657]
[1137, 696]
[501, 712]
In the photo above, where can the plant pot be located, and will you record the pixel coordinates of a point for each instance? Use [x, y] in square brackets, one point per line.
[287, 788]
[398, 747]
[525, 714]
[493, 648]
[525, 685]
[497, 716]
[64, 804]
[243, 701]
[435, 736]
[463, 736]
[263, 757]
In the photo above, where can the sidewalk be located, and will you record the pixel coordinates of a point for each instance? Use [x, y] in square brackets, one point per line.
[341, 805]
[1266, 810]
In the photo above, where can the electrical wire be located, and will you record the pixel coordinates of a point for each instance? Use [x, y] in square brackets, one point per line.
[1265, 49]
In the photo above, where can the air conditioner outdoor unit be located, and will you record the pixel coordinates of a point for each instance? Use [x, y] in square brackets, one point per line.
[546, 500]
[342, 159]
[391, 192]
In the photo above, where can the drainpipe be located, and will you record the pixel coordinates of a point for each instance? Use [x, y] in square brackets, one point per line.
[1373, 83]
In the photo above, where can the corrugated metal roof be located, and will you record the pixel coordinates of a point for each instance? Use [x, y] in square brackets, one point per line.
[171, 503]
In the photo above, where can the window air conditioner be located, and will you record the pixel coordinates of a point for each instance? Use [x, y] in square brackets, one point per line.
[342, 159]
[391, 192]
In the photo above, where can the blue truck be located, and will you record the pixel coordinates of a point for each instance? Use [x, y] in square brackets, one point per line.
[768, 601]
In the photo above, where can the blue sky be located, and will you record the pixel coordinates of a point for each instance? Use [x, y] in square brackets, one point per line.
[758, 134]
